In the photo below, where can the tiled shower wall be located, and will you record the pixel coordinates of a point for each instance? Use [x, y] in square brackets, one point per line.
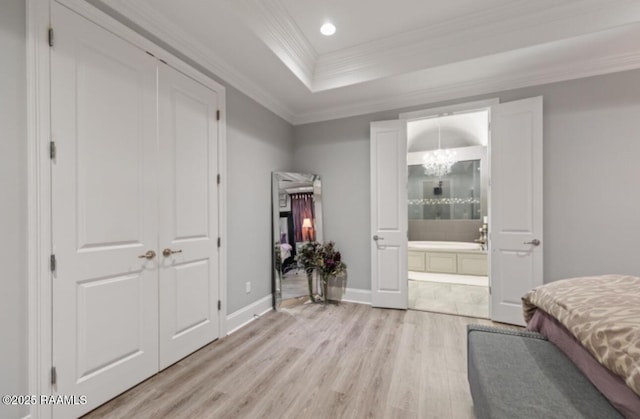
[444, 230]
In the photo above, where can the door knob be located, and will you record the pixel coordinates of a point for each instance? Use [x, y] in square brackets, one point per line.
[168, 252]
[534, 242]
[149, 255]
[376, 238]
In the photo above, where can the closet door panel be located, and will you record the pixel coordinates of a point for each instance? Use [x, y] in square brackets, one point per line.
[188, 215]
[104, 213]
[190, 144]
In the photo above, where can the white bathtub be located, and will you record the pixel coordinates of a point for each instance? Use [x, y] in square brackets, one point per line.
[448, 246]
[462, 258]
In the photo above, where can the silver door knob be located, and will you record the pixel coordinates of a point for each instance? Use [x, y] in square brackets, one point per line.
[534, 242]
[149, 255]
[168, 252]
[376, 238]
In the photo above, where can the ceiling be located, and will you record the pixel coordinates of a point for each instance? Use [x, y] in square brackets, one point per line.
[449, 131]
[387, 55]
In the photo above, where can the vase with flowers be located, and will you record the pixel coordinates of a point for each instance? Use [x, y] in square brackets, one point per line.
[330, 265]
[308, 258]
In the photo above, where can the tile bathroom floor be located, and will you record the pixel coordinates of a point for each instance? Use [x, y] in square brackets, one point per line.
[449, 298]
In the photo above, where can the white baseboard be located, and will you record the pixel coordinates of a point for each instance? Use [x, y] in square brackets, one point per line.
[240, 318]
[354, 295]
[246, 315]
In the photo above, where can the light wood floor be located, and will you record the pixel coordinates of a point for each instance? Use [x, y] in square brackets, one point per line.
[312, 361]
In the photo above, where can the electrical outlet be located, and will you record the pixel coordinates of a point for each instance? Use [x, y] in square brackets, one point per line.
[247, 287]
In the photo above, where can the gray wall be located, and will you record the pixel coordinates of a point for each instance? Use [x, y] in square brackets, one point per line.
[591, 152]
[339, 152]
[444, 230]
[258, 142]
[13, 205]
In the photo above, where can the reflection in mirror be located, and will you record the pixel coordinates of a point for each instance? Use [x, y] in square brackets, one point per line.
[297, 219]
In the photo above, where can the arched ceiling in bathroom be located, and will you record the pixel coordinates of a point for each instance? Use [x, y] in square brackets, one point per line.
[458, 130]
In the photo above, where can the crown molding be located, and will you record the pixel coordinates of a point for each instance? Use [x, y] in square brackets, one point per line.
[480, 86]
[488, 32]
[150, 20]
[274, 25]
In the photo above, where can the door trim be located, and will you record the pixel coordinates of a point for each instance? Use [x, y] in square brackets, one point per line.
[39, 204]
[449, 109]
[39, 134]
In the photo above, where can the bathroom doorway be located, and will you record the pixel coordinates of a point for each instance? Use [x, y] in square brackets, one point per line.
[448, 211]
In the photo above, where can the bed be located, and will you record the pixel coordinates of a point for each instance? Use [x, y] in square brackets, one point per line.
[595, 322]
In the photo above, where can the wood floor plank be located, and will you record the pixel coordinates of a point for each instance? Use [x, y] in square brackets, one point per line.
[404, 391]
[315, 361]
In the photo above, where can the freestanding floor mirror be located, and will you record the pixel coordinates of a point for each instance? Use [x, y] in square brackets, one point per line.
[297, 219]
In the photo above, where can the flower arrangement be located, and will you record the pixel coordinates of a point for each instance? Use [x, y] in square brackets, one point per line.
[307, 258]
[330, 261]
[329, 265]
[325, 259]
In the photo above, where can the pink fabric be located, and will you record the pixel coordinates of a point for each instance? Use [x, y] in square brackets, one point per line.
[302, 207]
[609, 384]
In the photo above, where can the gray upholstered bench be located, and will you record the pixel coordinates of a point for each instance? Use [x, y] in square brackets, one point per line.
[521, 375]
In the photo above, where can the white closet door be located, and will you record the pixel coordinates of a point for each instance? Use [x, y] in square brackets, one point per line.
[105, 298]
[188, 215]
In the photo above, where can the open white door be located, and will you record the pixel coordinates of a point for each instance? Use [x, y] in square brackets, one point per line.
[515, 223]
[389, 217]
[188, 227]
[105, 285]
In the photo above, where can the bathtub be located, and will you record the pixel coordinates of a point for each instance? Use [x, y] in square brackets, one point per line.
[448, 246]
[461, 258]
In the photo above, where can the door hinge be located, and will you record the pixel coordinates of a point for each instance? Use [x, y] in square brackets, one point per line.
[218, 115]
[52, 263]
[52, 150]
[489, 290]
[219, 305]
[218, 178]
[50, 37]
[54, 376]
[219, 242]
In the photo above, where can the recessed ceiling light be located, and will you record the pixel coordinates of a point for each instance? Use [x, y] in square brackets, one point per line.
[328, 29]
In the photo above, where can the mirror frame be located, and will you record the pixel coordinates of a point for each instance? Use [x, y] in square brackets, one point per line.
[315, 183]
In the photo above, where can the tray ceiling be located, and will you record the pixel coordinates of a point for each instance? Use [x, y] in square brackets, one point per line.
[385, 54]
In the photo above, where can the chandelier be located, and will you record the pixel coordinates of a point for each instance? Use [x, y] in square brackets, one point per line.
[438, 163]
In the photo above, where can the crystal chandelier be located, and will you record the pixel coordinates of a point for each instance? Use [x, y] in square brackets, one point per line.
[438, 163]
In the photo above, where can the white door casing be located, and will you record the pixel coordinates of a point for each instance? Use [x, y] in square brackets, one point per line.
[104, 213]
[188, 133]
[516, 243]
[389, 220]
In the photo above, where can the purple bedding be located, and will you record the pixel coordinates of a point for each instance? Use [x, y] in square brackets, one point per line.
[609, 384]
